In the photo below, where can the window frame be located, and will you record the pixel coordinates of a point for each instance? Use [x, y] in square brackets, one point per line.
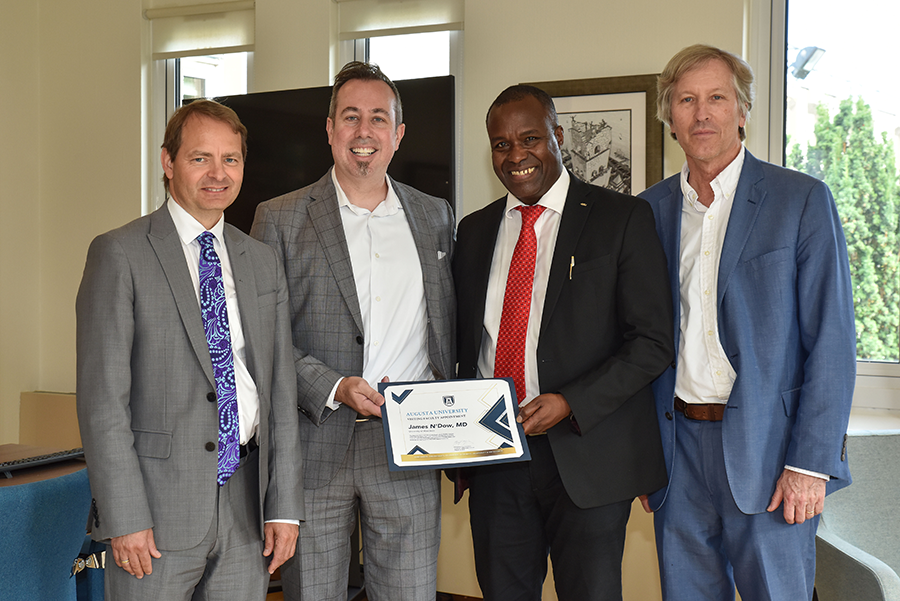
[358, 49]
[877, 383]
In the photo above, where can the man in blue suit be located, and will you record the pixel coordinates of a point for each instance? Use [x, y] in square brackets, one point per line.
[753, 412]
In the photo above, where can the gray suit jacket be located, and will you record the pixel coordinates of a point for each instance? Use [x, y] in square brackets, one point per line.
[305, 229]
[145, 380]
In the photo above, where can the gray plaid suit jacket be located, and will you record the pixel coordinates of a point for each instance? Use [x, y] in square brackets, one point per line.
[305, 229]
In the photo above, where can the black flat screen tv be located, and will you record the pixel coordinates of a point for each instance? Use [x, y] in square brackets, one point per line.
[288, 147]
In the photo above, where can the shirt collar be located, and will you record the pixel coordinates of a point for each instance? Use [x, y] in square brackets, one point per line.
[389, 206]
[724, 184]
[554, 199]
[189, 228]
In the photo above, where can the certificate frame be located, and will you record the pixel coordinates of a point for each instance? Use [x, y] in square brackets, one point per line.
[451, 423]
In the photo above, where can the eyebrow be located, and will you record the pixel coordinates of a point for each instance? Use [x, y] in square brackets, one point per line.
[207, 154]
[353, 109]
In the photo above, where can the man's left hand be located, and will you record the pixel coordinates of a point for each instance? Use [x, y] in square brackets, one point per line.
[544, 412]
[281, 542]
[803, 496]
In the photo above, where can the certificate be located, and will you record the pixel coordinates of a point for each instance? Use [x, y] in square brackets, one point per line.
[451, 423]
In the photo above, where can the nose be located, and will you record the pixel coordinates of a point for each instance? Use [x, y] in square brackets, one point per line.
[216, 170]
[364, 129]
[516, 153]
[702, 111]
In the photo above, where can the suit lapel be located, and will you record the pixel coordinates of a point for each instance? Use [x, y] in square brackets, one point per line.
[748, 199]
[575, 214]
[669, 230]
[165, 242]
[326, 219]
[478, 271]
[246, 291]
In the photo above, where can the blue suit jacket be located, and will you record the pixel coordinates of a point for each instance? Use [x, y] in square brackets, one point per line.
[786, 323]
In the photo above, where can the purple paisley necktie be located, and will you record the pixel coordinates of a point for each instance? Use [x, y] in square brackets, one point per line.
[215, 323]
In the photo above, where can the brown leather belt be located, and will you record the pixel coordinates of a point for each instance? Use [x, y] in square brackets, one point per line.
[707, 412]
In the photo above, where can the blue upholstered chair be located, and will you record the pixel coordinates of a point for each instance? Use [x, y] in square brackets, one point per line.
[858, 542]
[41, 532]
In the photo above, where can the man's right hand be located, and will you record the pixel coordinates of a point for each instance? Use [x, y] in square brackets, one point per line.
[132, 552]
[356, 393]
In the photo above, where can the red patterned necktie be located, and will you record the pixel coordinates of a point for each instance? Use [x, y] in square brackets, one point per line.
[510, 359]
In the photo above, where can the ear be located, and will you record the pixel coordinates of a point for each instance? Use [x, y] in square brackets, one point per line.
[167, 163]
[329, 128]
[559, 135]
[401, 130]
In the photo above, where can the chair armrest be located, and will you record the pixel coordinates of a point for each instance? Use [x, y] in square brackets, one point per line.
[844, 571]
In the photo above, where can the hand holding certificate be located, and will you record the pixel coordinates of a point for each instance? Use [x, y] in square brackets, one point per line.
[451, 423]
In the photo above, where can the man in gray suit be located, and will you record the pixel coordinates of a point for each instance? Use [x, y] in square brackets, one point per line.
[183, 340]
[368, 265]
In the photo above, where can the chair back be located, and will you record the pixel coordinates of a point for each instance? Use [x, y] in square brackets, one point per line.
[41, 533]
[867, 514]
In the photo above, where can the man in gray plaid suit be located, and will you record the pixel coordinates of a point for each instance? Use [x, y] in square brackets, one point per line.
[371, 292]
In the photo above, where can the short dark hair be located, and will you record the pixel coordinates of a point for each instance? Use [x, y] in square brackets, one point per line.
[366, 72]
[520, 92]
[200, 108]
[693, 56]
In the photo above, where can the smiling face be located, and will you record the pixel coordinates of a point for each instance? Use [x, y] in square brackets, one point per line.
[363, 135]
[706, 116]
[525, 145]
[206, 174]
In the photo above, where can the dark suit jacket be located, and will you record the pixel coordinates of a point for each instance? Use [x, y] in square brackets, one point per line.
[606, 333]
[145, 375]
[786, 324]
[305, 228]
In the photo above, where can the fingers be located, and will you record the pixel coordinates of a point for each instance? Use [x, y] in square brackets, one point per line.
[542, 413]
[645, 503]
[281, 542]
[803, 496]
[356, 393]
[133, 552]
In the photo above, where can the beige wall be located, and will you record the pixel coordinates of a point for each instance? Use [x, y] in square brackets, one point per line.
[74, 105]
[74, 101]
[20, 242]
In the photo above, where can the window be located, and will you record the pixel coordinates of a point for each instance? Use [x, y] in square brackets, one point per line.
[412, 55]
[211, 76]
[842, 125]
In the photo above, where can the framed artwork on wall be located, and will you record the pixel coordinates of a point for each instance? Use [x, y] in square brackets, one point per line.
[612, 138]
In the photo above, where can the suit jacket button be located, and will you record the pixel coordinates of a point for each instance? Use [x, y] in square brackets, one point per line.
[668, 416]
[211, 397]
[210, 446]
[673, 366]
[359, 340]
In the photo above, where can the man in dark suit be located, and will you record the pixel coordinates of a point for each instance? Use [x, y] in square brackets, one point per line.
[368, 264]
[186, 397]
[754, 411]
[583, 330]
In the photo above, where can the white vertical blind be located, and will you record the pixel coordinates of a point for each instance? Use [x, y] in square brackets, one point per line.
[374, 18]
[201, 29]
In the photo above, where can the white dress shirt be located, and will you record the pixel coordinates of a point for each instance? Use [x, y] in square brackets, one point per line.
[546, 229]
[390, 290]
[188, 229]
[703, 372]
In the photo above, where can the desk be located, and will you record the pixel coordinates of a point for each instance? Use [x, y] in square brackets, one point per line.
[11, 452]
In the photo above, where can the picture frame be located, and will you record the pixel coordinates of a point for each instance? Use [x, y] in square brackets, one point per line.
[612, 136]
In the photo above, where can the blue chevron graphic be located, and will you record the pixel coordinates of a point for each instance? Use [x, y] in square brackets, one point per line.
[401, 397]
[496, 420]
[417, 450]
